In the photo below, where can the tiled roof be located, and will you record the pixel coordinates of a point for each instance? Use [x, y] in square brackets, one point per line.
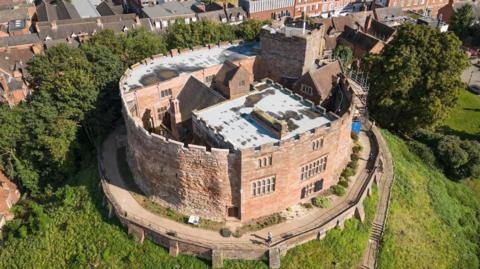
[359, 39]
[325, 78]
[170, 10]
[108, 8]
[66, 28]
[20, 13]
[61, 11]
[204, 97]
[11, 41]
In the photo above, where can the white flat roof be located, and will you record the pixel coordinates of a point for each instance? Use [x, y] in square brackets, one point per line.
[164, 68]
[232, 119]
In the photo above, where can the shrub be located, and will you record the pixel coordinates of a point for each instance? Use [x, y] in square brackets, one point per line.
[354, 136]
[343, 182]
[422, 151]
[321, 201]
[427, 137]
[338, 190]
[347, 172]
[307, 205]
[357, 148]
[353, 165]
[237, 234]
[354, 157]
[225, 232]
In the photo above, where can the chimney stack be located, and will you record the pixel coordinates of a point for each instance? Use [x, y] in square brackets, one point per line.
[99, 23]
[54, 25]
[137, 20]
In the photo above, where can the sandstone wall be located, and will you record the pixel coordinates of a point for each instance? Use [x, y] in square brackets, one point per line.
[191, 180]
[288, 157]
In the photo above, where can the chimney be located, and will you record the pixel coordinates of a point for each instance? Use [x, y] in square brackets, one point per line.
[54, 25]
[137, 20]
[3, 82]
[368, 23]
[284, 129]
[99, 23]
[175, 116]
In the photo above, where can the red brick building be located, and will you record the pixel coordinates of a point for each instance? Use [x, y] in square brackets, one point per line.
[9, 195]
[424, 7]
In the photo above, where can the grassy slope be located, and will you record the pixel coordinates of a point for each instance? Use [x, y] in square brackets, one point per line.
[433, 222]
[81, 237]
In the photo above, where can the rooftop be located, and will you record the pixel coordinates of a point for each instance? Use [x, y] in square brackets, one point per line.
[164, 68]
[170, 9]
[85, 8]
[236, 121]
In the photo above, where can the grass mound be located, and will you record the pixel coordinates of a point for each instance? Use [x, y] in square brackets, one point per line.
[433, 222]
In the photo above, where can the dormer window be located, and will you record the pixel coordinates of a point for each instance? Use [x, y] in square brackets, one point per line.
[306, 89]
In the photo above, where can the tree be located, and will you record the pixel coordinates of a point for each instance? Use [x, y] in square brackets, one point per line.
[415, 82]
[461, 21]
[344, 54]
[140, 44]
[250, 29]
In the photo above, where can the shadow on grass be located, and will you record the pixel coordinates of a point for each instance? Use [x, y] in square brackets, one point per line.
[463, 135]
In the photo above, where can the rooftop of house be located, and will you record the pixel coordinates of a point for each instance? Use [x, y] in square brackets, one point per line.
[171, 9]
[291, 29]
[8, 194]
[164, 68]
[109, 7]
[20, 13]
[62, 10]
[68, 28]
[85, 8]
[237, 121]
[11, 41]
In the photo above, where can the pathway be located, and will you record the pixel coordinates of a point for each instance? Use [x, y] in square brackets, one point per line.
[370, 256]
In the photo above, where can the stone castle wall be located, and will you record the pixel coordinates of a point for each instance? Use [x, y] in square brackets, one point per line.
[191, 180]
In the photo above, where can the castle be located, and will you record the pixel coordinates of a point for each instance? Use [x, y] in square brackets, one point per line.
[239, 131]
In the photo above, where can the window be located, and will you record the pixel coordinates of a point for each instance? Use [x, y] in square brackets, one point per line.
[263, 186]
[306, 89]
[317, 143]
[311, 188]
[161, 112]
[165, 93]
[313, 168]
[264, 161]
[241, 83]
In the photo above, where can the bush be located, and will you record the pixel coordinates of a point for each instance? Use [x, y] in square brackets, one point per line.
[225, 232]
[338, 190]
[422, 151]
[307, 205]
[353, 165]
[343, 182]
[354, 157]
[354, 136]
[427, 137]
[321, 201]
[357, 148]
[347, 172]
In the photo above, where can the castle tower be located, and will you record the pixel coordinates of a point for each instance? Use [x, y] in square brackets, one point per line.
[289, 51]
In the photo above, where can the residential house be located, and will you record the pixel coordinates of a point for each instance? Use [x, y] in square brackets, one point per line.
[9, 195]
[268, 9]
[232, 80]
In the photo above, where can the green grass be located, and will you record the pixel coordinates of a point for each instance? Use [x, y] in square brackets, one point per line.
[464, 120]
[433, 222]
[80, 236]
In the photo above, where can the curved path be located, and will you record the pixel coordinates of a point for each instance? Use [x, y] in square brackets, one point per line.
[315, 220]
[384, 185]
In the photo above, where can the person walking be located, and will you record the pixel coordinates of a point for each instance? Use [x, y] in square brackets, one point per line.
[269, 238]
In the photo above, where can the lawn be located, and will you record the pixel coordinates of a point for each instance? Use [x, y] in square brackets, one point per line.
[465, 118]
[433, 221]
[80, 236]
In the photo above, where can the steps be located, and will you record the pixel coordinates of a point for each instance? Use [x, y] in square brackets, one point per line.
[377, 231]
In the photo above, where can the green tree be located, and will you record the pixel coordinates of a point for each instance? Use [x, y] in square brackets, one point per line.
[250, 29]
[140, 44]
[416, 82]
[461, 21]
[344, 54]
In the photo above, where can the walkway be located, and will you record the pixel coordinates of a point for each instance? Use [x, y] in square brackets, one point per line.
[370, 256]
[118, 194]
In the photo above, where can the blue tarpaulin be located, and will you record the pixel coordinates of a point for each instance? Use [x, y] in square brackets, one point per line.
[356, 126]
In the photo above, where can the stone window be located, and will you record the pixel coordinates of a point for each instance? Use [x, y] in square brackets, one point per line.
[311, 188]
[317, 143]
[306, 89]
[264, 161]
[313, 168]
[263, 186]
[166, 92]
[161, 112]
[241, 83]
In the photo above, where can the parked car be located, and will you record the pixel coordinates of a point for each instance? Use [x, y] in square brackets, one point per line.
[475, 89]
